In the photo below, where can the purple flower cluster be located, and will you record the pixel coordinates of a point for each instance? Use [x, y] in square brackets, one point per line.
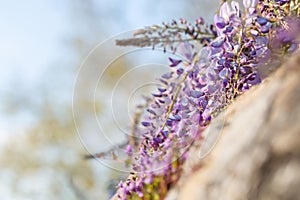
[202, 83]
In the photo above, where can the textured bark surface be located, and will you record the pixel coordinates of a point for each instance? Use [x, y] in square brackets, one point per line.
[256, 146]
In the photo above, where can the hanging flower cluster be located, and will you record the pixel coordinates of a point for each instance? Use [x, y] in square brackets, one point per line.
[202, 82]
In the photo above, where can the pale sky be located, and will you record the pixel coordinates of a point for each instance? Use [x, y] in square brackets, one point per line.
[34, 37]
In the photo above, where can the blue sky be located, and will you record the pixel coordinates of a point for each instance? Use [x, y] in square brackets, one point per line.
[31, 40]
[30, 37]
[34, 39]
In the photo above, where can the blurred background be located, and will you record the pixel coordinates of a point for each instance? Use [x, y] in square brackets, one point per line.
[66, 90]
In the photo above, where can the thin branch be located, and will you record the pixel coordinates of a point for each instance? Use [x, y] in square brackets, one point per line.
[133, 139]
[170, 34]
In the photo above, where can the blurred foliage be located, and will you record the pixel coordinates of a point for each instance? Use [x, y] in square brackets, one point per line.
[51, 145]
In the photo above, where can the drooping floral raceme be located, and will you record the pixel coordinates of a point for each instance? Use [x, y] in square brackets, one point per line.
[217, 63]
